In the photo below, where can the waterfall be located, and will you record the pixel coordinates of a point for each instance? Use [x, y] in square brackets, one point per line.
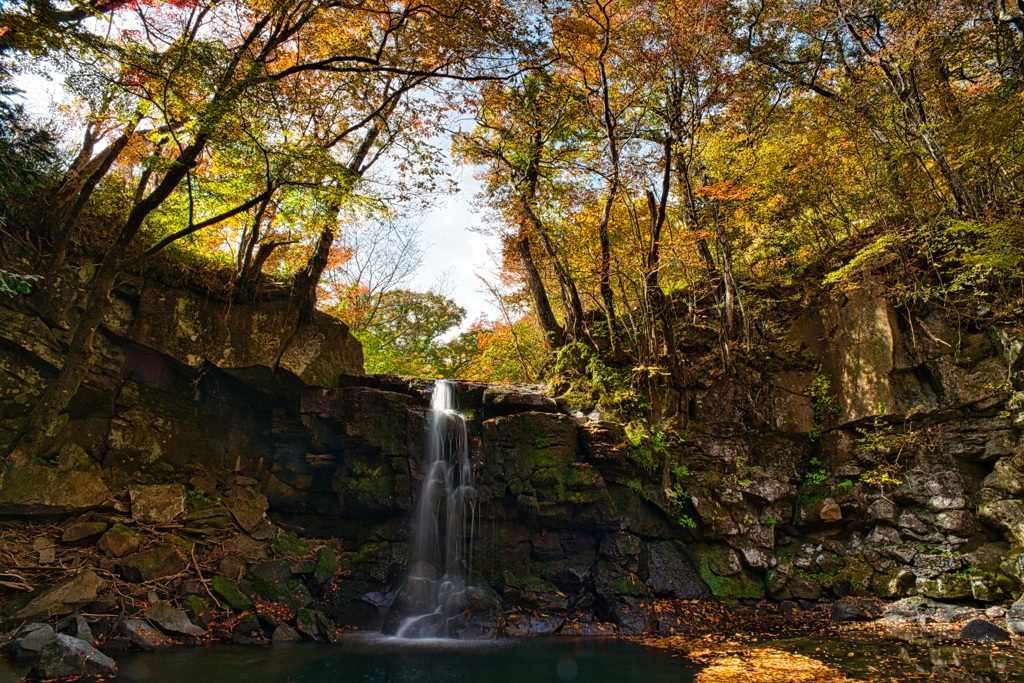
[433, 593]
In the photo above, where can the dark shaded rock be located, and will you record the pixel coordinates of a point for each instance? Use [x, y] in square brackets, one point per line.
[521, 625]
[83, 531]
[248, 626]
[983, 632]
[63, 598]
[621, 547]
[288, 543]
[247, 506]
[850, 610]
[631, 616]
[142, 635]
[29, 641]
[67, 657]
[158, 504]
[172, 620]
[324, 625]
[36, 490]
[306, 624]
[77, 627]
[285, 634]
[152, 564]
[197, 610]
[274, 581]
[231, 594]
[671, 574]
[507, 400]
[119, 541]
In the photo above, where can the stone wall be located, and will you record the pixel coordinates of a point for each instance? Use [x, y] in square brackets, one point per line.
[782, 496]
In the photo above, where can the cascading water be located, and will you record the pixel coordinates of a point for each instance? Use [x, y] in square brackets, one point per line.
[432, 596]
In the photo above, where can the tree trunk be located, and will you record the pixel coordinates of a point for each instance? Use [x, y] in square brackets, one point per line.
[553, 332]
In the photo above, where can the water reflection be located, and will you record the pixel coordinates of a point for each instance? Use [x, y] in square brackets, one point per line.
[382, 660]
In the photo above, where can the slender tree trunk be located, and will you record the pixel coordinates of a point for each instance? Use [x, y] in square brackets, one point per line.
[527, 194]
[553, 332]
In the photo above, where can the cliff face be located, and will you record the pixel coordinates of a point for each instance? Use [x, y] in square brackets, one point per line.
[884, 460]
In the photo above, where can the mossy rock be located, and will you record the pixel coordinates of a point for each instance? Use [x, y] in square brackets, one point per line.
[326, 565]
[288, 543]
[231, 594]
[740, 586]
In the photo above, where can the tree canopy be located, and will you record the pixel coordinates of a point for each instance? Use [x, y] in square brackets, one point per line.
[646, 164]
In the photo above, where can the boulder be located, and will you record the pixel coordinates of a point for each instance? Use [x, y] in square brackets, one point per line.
[29, 641]
[285, 634]
[172, 620]
[68, 657]
[849, 609]
[142, 635]
[78, 627]
[274, 581]
[247, 507]
[158, 504]
[63, 598]
[119, 541]
[38, 490]
[152, 564]
[230, 593]
[983, 631]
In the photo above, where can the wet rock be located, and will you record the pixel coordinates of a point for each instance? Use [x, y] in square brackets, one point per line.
[63, 598]
[671, 574]
[983, 631]
[152, 564]
[67, 657]
[78, 627]
[247, 506]
[142, 635]
[158, 504]
[83, 531]
[37, 490]
[172, 620]
[119, 541]
[29, 641]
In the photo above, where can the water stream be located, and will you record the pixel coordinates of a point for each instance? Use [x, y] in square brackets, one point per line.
[432, 596]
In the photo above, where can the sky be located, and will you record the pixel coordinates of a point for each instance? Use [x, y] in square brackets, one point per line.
[453, 256]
